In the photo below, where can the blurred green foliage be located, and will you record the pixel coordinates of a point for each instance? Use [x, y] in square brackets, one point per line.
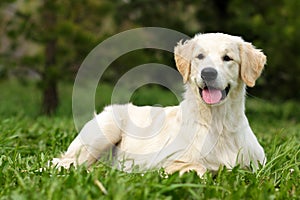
[273, 26]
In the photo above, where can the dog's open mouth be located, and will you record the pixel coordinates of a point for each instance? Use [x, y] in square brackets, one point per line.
[211, 95]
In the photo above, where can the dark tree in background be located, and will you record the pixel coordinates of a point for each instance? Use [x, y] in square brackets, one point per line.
[49, 77]
[62, 34]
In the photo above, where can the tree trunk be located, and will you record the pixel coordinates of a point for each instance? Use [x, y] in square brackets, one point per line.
[221, 8]
[50, 97]
[50, 94]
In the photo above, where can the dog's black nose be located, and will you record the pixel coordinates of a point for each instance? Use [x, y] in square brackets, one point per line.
[209, 74]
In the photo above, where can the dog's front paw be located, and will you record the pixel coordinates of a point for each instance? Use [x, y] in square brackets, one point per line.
[183, 167]
[63, 163]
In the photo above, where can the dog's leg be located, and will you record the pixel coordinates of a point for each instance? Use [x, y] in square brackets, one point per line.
[96, 136]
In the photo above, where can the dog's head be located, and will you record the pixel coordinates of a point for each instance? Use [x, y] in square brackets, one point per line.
[218, 64]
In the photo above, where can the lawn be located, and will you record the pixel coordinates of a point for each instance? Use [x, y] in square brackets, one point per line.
[28, 141]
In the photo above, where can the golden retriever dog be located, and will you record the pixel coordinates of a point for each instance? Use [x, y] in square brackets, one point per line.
[208, 129]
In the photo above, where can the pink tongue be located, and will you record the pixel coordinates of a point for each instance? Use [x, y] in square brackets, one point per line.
[211, 96]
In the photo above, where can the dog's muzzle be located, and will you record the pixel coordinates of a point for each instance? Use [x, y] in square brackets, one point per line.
[209, 93]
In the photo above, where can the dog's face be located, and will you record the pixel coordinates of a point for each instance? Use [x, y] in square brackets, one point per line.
[217, 64]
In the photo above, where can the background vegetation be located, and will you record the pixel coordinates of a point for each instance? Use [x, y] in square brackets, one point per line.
[49, 39]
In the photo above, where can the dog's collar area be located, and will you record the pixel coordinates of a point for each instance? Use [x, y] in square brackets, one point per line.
[212, 95]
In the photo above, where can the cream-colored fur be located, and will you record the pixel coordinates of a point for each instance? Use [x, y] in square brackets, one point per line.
[190, 136]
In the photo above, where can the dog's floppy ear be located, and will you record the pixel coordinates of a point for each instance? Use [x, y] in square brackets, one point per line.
[252, 63]
[183, 53]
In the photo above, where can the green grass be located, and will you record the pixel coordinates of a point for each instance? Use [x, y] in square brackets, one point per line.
[28, 141]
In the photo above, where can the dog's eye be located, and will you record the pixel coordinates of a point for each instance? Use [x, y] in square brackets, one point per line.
[200, 56]
[227, 58]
